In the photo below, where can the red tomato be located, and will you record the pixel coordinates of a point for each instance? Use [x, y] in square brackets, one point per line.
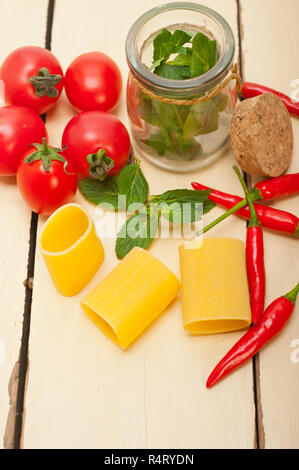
[19, 127]
[32, 77]
[45, 191]
[91, 131]
[93, 82]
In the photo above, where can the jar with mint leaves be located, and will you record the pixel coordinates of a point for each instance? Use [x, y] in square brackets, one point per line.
[182, 85]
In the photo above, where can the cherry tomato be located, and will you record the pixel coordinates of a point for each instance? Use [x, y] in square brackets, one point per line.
[46, 180]
[88, 133]
[93, 82]
[32, 77]
[19, 127]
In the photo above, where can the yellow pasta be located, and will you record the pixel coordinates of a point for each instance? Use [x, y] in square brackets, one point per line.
[214, 286]
[71, 249]
[131, 297]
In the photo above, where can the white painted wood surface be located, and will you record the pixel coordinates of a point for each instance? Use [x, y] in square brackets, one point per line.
[270, 51]
[82, 390]
[19, 25]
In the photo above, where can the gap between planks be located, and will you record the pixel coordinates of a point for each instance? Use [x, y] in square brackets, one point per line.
[18, 379]
[259, 438]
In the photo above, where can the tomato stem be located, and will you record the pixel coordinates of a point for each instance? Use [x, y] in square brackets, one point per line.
[44, 83]
[99, 164]
[46, 155]
[45, 147]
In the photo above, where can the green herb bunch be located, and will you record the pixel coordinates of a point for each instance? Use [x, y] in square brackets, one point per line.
[141, 227]
[181, 55]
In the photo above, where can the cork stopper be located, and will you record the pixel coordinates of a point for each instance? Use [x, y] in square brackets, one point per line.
[262, 136]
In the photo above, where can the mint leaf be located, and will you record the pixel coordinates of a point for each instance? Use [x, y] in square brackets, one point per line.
[100, 192]
[186, 148]
[162, 45]
[182, 213]
[148, 111]
[206, 51]
[183, 58]
[208, 205]
[221, 102]
[177, 146]
[170, 116]
[182, 50]
[196, 65]
[184, 205]
[162, 115]
[132, 184]
[139, 230]
[156, 63]
[172, 72]
[203, 117]
[179, 38]
[157, 143]
[166, 44]
[184, 195]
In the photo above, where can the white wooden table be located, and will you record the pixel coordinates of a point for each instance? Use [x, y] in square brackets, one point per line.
[62, 383]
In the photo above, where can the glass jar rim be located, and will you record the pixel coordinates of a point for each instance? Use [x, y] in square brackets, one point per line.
[164, 85]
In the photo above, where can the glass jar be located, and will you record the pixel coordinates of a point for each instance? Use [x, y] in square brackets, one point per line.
[180, 137]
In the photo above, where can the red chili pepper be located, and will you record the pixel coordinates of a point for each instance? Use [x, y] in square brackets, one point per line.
[270, 189]
[254, 258]
[255, 270]
[269, 217]
[276, 187]
[250, 90]
[270, 324]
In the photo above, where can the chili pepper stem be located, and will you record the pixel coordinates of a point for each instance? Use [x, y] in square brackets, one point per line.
[254, 221]
[292, 295]
[241, 179]
[234, 209]
[255, 196]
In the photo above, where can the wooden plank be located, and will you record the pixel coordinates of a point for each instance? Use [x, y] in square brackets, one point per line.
[270, 40]
[82, 390]
[29, 26]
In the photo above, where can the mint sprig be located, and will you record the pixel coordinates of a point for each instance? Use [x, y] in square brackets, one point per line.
[195, 55]
[181, 55]
[179, 206]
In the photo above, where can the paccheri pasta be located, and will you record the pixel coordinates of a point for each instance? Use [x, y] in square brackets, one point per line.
[131, 297]
[214, 286]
